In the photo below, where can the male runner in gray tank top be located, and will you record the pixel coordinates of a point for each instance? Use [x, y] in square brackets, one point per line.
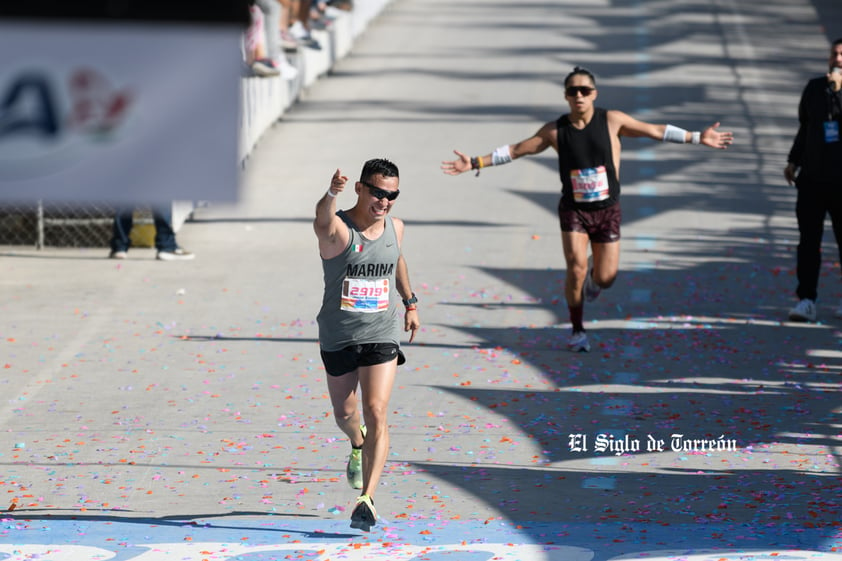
[587, 141]
[364, 274]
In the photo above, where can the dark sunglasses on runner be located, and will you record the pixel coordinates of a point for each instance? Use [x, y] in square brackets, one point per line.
[571, 91]
[379, 193]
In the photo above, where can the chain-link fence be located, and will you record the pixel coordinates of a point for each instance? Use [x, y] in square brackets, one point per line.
[42, 225]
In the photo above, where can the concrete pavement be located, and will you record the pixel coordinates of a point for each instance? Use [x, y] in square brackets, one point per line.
[178, 410]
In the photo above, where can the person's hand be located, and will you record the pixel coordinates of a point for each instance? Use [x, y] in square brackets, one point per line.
[715, 139]
[455, 167]
[337, 183]
[411, 323]
[789, 173]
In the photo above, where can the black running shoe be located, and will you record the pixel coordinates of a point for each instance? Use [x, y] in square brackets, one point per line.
[364, 515]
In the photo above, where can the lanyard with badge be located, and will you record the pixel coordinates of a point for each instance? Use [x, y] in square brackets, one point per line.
[831, 126]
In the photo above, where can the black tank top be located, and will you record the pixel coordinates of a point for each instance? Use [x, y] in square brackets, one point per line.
[586, 163]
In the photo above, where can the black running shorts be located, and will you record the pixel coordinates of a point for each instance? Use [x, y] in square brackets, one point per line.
[352, 357]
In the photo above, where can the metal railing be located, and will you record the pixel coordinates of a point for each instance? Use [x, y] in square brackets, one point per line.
[42, 224]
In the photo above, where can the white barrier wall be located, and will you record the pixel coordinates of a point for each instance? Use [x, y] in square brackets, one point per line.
[265, 100]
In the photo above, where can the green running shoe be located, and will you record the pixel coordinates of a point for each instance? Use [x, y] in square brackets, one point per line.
[354, 469]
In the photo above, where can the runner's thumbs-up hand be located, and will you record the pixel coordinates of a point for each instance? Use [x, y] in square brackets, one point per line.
[337, 182]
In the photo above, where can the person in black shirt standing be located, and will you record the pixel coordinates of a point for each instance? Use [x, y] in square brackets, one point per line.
[813, 166]
[587, 140]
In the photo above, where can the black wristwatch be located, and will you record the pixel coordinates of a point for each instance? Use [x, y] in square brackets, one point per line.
[411, 301]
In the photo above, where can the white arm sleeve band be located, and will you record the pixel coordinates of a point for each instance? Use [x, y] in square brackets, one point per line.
[501, 156]
[697, 137]
[674, 134]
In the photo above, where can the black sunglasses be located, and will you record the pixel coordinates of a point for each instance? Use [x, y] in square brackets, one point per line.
[571, 91]
[379, 193]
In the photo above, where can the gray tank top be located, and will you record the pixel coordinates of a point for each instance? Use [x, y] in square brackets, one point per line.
[360, 298]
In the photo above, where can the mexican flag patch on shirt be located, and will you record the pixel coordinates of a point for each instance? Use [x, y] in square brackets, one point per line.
[357, 248]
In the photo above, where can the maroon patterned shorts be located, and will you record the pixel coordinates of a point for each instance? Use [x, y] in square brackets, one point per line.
[601, 225]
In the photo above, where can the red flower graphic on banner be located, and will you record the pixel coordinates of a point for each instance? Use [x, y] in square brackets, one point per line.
[96, 107]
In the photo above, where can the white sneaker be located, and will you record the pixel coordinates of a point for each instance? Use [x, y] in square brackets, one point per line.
[288, 42]
[177, 254]
[264, 69]
[578, 342]
[288, 71]
[805, 310]
[590, 290]
[300, 32]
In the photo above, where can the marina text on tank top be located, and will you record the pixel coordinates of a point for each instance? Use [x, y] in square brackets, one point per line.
[359, 304]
